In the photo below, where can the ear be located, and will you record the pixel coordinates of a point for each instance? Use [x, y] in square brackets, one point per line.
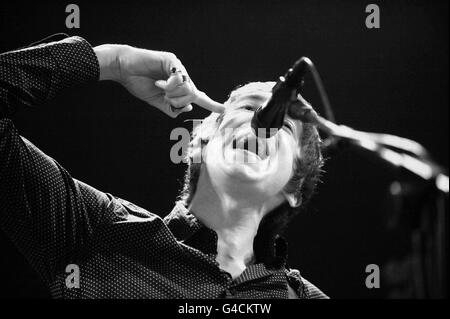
[195, 150]
[292, 199]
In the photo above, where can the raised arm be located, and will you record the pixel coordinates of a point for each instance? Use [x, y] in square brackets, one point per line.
[49, 215]
[31, 76]
[34, 75]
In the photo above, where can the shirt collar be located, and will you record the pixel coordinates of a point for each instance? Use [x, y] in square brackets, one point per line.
[182, 223]
[188, 229]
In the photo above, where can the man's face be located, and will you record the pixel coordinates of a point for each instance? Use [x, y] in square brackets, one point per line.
[240, 163]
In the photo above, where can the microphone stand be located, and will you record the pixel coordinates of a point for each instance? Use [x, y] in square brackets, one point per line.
[429, 237]
[425, 209]
[412, 156]
[417, 162]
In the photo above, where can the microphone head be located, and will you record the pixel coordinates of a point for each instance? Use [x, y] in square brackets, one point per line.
[269, 119]
[258, 126]
[294, 77]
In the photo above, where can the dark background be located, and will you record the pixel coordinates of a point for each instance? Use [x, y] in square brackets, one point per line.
[393, 79]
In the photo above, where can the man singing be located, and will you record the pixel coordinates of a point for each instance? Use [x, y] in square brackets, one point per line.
[222, 239]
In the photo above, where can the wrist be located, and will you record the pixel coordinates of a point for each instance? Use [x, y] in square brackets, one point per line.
[108, 60]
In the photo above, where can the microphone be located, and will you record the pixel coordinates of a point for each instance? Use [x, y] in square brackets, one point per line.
[268, 120]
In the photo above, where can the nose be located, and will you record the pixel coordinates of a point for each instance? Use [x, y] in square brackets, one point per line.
[237, 119]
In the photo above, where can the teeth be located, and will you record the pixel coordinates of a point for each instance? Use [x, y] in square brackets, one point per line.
[245, 140]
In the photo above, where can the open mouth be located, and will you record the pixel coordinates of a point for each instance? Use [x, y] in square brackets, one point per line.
[251, 145]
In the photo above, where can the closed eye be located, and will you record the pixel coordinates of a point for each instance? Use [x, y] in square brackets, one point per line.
[289, 126]
[248, 108]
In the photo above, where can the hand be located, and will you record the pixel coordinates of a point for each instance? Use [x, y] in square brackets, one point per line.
[156, 77]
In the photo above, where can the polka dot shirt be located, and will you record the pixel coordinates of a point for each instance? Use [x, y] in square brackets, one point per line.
[122, 250]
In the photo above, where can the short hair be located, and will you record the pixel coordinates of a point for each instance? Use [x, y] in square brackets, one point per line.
[306, 174]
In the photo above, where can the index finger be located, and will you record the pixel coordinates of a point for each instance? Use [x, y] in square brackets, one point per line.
[206, 102]
[171, 62]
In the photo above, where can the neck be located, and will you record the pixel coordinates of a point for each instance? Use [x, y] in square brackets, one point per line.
[235, 221]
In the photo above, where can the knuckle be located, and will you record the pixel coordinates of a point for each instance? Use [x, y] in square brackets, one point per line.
[170, 113]
[177, 104]
[183, 89]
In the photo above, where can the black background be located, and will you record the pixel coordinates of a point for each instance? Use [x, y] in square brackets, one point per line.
[393, 79]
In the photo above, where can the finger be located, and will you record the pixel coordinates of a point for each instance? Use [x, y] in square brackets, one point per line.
[206, 102]
[187, 108]
[161, 104]
[178, 111]
[174, 112]
[164, 107]
[161, 84]
[172, 62]
[175, 79]
[180, 90]
[179, 102]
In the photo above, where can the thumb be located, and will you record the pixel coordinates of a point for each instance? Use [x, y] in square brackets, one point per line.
[170, 110]
[187, 108]
[177, 111]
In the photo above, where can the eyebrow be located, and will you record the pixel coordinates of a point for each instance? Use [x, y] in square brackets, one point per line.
[257, 97]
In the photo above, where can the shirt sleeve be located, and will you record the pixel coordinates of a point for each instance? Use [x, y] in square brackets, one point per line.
[312, 291]
[50, 216]
[31, 76]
